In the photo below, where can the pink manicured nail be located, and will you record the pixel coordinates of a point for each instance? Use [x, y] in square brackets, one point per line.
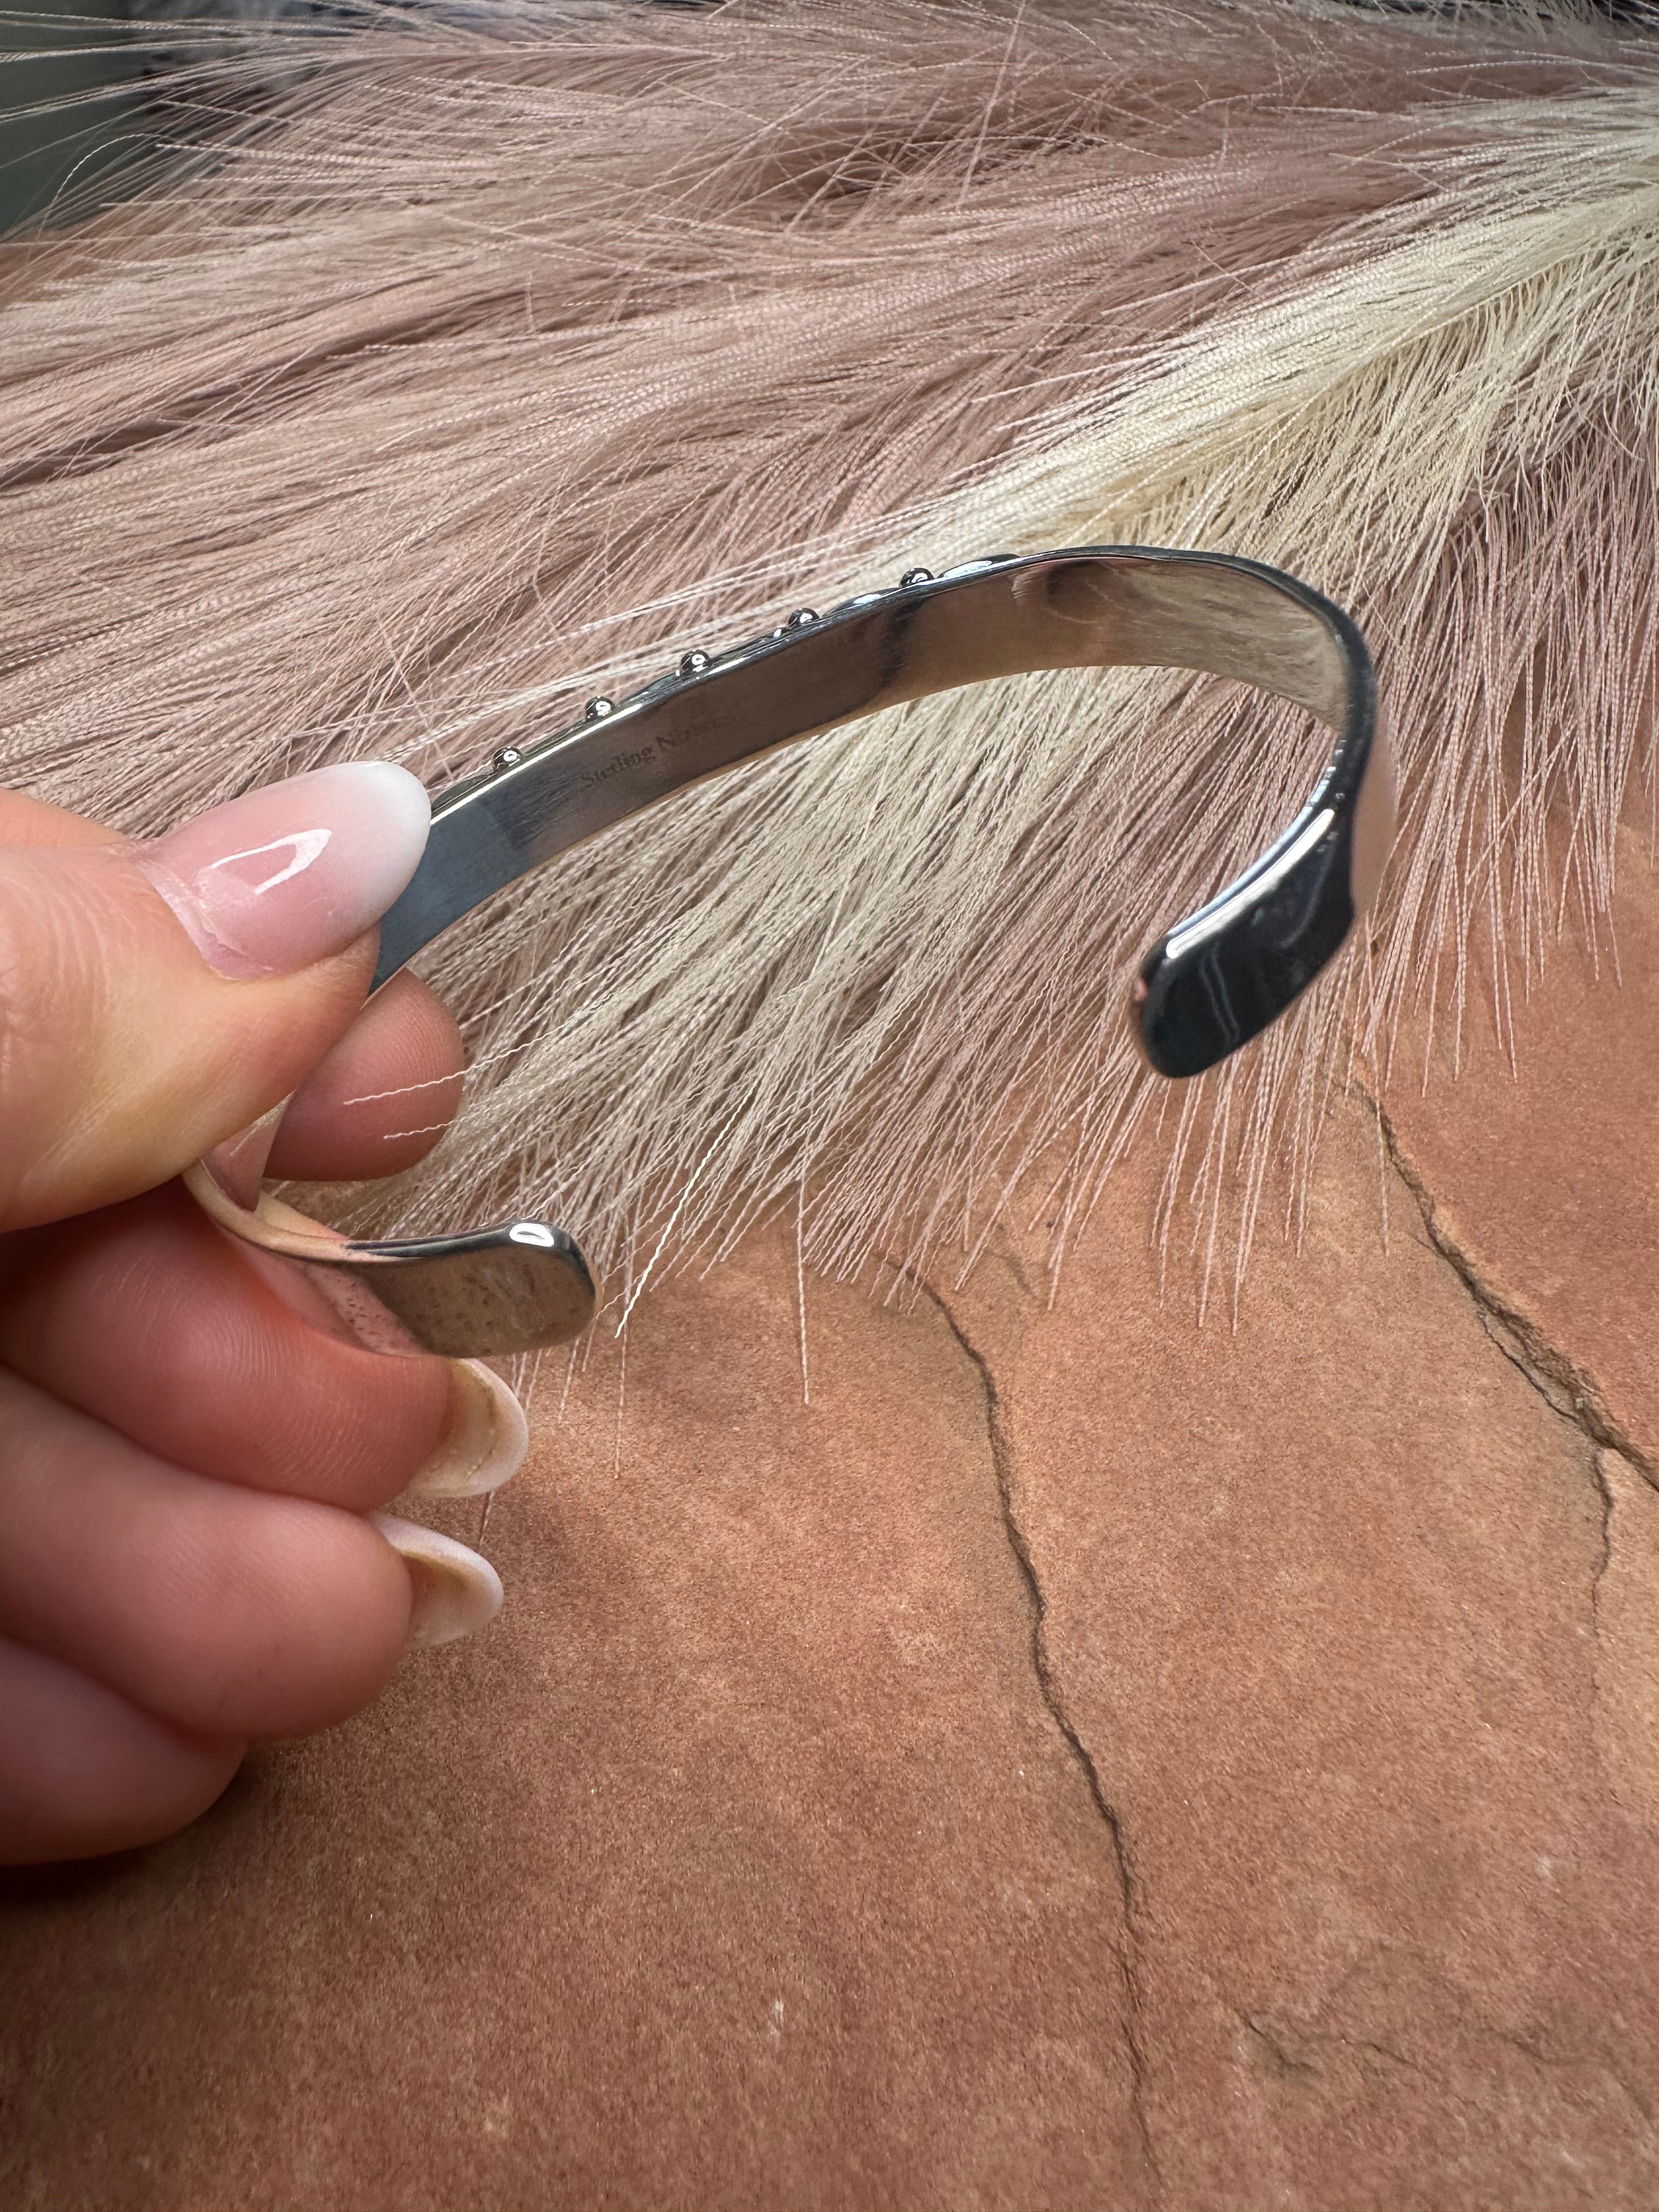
[271, 882]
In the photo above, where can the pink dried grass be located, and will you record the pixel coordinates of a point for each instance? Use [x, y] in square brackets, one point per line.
[477, 367]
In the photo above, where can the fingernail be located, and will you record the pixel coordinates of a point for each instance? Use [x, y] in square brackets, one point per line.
[457, 1591]
[485, 1438]
[272, 882]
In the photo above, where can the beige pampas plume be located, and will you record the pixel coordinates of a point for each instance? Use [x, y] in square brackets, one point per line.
[463, 363]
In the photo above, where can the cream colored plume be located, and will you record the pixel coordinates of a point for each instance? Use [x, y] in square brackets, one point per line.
[490, 363]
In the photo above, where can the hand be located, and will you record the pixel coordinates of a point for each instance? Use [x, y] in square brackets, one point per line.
[186, 1466]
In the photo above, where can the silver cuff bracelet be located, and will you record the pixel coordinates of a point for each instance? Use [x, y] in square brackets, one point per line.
[1211, 982]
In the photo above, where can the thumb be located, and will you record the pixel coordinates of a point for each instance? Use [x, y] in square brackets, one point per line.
[155, 999]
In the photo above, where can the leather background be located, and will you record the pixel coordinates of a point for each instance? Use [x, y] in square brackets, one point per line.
[1077, 1759]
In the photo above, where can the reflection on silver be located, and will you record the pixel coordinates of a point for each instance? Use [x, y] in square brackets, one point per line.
[505, 1290]
[1212, 982]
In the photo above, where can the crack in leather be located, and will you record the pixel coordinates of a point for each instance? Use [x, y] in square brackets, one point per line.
[1048, 1689]
[1564, 1384]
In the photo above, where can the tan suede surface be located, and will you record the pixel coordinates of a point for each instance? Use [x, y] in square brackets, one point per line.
[1074, 1759]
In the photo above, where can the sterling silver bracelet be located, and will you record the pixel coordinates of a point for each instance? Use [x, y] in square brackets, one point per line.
[1211, 982]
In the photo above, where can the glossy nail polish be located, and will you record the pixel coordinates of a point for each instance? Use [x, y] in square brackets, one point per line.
[271, 882]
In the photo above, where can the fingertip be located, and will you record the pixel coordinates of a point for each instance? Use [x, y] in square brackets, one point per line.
[127, 1057]
[83, 1771]
[339, 1607]
[383, 1096]
[226, 1611]
[202, 1362]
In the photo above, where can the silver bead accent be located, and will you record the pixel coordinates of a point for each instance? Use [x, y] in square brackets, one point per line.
[597, 709]
[916, 576]
[694, 663]
[509, 756]
[801, 617]
[783, 630]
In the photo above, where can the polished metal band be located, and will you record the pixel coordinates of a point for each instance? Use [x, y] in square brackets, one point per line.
[1212, 981]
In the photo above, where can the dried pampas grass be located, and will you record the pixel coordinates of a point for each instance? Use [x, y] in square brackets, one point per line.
[474, 363]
